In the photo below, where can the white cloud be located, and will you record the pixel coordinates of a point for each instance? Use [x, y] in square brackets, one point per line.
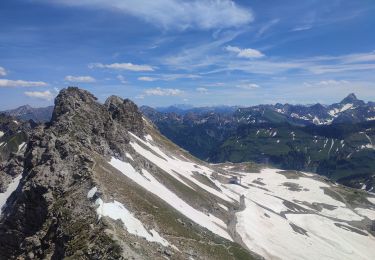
[248, 86]
[245, 53]
[170, 77]
[332, 82]
[150, 79]
[215, 84]
[122, 66]
[121, 79]
[302, 28]
[163, 92]
[202, 90]
[176, 14]
[80, 79]
[8, 83]
[46, 95]
[3, 72]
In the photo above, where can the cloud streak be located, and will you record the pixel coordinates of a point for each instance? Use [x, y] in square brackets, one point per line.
[45, 95]
[245, 53]
[8, 83]
[175, 14]
[163, 92]
[80, 79]
[3, 72]
[121, 66]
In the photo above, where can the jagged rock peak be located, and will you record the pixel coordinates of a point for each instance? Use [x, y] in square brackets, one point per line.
[127, 113]
[349, 99]
[69, 100]
[80, 109]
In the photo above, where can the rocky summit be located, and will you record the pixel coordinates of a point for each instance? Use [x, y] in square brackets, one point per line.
[100, 182]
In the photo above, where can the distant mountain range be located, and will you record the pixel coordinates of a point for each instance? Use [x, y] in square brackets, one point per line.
[38, 115]
[349, 110]
[332, 140]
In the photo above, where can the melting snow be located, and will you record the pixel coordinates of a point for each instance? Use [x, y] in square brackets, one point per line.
[149, 138]
[115, 210]
[372, 200]
[21, 146]
[92, 192]
[129, 156]
[12, 187]
[264, 229]
[335, 111]
[222, 206]
[148, 182]
[366, 213]
[176, 167]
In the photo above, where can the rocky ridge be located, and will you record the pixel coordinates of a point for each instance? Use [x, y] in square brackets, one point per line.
[50, 215]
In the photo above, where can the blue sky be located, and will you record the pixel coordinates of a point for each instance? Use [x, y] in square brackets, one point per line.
[206, 52]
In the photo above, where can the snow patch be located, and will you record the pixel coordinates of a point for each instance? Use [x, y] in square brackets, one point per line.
[92, 192]
[223, 207]
[370, 213]
[129, 156]
[1, 134]
[117, 211]
[149, 138]
[21, 146]
[11, 188]
[372, 200]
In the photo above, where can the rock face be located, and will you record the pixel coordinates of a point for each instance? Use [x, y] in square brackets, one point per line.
[44, 219]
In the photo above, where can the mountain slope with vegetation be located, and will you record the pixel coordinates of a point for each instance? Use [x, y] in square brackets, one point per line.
[334, 141]
[100, 182]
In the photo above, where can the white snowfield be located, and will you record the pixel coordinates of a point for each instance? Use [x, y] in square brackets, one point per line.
[11, 187]
[300, 232]
[282, 218]
[1, 134]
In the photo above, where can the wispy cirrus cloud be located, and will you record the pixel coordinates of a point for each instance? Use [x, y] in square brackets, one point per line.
[163, 92]
[149, 79]
[264, 28]
[245, 53]
[3, 72]
[80, 79]
[45, 95]
[8, 83]
[175, 14]
[122, 66]
[202, 90]
[248, 86]
[169, 77]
